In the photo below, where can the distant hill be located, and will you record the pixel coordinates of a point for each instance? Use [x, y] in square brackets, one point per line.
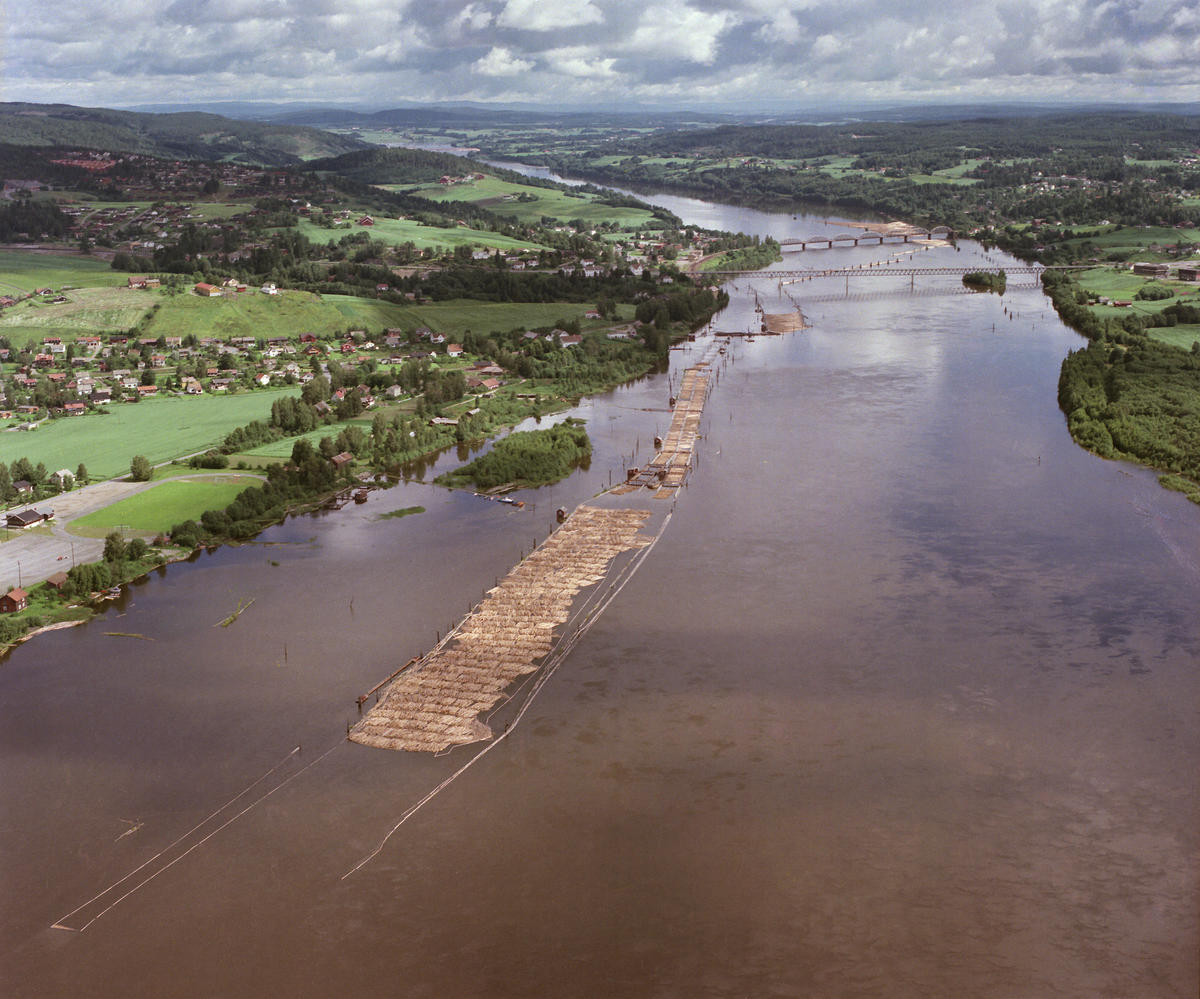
[187, 135]
[486, 116]
[395, 166]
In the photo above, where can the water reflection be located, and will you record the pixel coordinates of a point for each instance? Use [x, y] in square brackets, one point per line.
[902, 703]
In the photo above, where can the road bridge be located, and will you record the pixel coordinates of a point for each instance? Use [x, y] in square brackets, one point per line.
[883, 270]
[877, 236]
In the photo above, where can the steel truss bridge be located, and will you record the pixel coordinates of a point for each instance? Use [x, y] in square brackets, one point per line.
[884, 270]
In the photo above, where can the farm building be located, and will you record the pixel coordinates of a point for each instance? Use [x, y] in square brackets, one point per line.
[24, 518]
[1145, 269]
[13, 601]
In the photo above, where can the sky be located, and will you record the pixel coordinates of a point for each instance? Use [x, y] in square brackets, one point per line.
[601, 53]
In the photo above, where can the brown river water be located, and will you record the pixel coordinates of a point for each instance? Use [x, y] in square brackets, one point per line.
[903, 703]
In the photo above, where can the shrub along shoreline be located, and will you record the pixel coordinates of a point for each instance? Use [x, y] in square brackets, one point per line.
[1128, 396]
[310, 478]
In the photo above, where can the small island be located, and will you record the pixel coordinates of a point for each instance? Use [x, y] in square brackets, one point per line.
[526, 459]
[995, 281]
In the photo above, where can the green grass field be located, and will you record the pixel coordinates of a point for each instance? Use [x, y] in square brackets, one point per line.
[1177, 336]
[251, 313]
[160, 429]
[160, 508]
[423, 237]
[22, 271]
[456, 316]
[1131, 241]
[88, 310]
[500, 196]
[282, 448]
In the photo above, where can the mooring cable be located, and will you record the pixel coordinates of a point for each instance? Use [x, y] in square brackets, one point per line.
[543, 677]
[60, 924]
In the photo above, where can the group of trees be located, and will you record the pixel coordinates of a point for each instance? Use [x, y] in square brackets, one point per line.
[530, 458]
[996, 281]
[24, 470]
[24, 218]
[1138, 400]
[1126, 395]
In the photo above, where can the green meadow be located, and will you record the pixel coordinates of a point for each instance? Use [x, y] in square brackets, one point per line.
[1121, 284]
[531, 204]
[87, 310]
[21, 271]
[457, 316]
[160, 429]
[1177, 336]
[1133, 241]
[282, 448]
[158, 509]
[250, 313]
[423, 237]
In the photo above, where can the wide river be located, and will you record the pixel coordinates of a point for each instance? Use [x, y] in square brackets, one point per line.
[902, 704]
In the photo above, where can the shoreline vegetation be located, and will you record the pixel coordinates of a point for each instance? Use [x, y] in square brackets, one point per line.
[1127, 396]
[1118, 185]
[309, 480]
[986, 281]
[525, 460]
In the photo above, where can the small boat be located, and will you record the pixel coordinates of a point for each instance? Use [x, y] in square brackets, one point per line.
[360, 496]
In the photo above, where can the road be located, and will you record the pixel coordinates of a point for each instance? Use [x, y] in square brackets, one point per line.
[28, 557]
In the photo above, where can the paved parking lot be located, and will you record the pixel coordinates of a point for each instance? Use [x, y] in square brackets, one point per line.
[31, 556]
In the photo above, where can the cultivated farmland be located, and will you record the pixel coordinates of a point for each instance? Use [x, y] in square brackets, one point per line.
[398, 231]
[530, 204]
[162, 507]
[247, 314]
[21, 272]
[87, 310]
[160, 429]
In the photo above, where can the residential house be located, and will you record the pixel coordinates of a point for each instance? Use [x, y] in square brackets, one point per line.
[23, 518]
[14, 600]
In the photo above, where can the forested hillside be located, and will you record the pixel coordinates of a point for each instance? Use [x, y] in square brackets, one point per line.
[188, 135]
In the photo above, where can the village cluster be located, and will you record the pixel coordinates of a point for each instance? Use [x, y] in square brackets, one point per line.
[61, 377]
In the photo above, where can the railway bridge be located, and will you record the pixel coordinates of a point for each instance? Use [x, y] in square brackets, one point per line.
[883, 234]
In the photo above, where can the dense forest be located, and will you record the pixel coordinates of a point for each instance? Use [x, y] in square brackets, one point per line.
[1128, 396]
[187, 135]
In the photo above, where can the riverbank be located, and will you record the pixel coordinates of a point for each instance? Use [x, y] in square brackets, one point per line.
[882, 657]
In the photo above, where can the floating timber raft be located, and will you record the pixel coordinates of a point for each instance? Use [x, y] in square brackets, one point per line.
[782, 322]
[437, 704]
[668, 468]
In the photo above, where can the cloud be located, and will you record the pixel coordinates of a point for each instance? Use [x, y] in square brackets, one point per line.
[582, 62]
[546, 15]
[473, 17]
[612, 51]
[501, 62]
[676, 30]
